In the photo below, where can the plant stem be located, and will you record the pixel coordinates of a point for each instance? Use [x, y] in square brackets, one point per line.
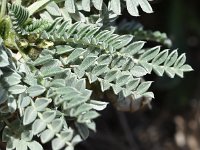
[3, 8]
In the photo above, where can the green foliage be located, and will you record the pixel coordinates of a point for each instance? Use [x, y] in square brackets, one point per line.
[48, 76]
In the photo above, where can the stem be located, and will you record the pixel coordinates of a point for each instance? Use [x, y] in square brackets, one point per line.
[3, 8]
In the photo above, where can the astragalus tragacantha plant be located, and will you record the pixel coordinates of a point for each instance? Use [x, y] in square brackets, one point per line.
[54, 57]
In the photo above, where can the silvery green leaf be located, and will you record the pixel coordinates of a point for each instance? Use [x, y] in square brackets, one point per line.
[57, 124]
[116, 6]
[103, 35]
[132, 84]
[12, 78]
[128, 64]
[148, 94]
[67, 134]
[82, 31]
[100, 69]
[27, 135]
[36, 6]
[91, 77]
[30, 79]
[62, 28]
[58, 143]
[82, 108]
[126, 92]
[138, 71]
[58, 83]
[12, 105]
[90, 34]
[180, 61]
[171, 59]
[160, 58]
[186, 68]
[21, 145]
[132, 7]
[67, 91]
[98, 4]
[3, 58]
[38, 126]
[75, 54]
[146, 7]
[98, 105]
[77, 139]
[17, 89]
[143, 87]
[116, 89]
[71, 147]
[74, 102]
[70, 6]
[170, 72]
[79, 72]
[87, 62]
[105, 85]
[71, 80]
[36, 90]
[42, 60]
[71, 29]
[25, 102]
[146, 65]
[150, 54]
[46, 16]
[30, 115]
[35, 145]
[86, 5]
[117, 62]
[90, 115]
[133, 48]
[66, 16]
[52, 71]
[159, 70]
[53, 9]
[111, 75]
[41, 103]
[91, 126]
[45, 52]
[62, 49]
[80, 85]
[123, 78]
[124, 40]
[112, 39]
[48, 116]
[86, 93]
[83, 130]
[179, 72]
[104, 59]
[46, 135]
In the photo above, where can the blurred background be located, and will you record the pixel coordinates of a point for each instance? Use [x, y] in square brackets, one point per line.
[173, 123]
